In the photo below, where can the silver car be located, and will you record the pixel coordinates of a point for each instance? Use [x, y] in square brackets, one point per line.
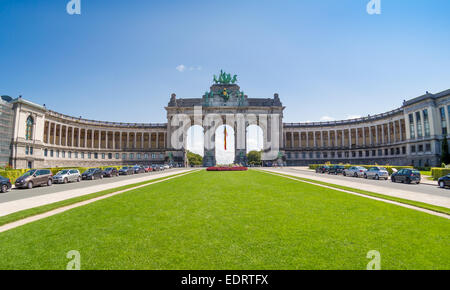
[377, 173]
[67, 175]
[355, 171]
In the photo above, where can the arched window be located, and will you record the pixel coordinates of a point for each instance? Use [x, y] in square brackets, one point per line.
[29, 131]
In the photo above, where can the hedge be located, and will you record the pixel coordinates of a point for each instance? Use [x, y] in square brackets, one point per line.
[437, 172]
[389, 168]
[13, 174]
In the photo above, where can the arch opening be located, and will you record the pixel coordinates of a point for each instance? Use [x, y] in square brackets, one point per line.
[224, 145]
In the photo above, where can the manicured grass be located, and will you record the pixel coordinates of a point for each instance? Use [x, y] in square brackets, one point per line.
[428, 206]
[231, 220]
[48, 207]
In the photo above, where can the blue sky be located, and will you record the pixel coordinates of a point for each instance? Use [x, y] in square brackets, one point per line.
[327, 59]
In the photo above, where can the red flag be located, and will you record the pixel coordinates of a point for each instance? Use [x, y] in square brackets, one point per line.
[225, 137]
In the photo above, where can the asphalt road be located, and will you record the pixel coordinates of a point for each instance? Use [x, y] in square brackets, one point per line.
[17, 194]
[419, 188]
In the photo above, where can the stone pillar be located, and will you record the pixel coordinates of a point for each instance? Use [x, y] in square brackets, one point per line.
[350, 137]
[314, 138]
[48, 132]
[157, 140]
[135, 140]
[376, 135]
[364, 136]
[322, 143]
[85, 138]
[99, 139]
[142, 140]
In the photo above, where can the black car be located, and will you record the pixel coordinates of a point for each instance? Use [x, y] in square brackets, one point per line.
[126, 170]
[336, 169]
[138, 169]
[444, 181]
[92, 173]
[110, 172]
[322, 169]
[5, 184]
[406, 176]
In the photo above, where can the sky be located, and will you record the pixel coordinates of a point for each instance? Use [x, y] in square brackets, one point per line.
[121, 60]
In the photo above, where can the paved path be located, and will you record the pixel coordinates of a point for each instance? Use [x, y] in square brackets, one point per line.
[422, 192]
[17, 200]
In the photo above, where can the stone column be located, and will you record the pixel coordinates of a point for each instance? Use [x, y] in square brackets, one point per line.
[157, 140]
[363, 136]
[72, 137]
[48, 132]
[142, 140]
[350, 137]
[322, 143]
[99, 139]
[85, 138]
[376, 135]
[388, 141]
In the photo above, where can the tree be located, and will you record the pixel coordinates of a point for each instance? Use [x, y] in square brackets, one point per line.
[194, 159]
[254, 157]
[445, 156]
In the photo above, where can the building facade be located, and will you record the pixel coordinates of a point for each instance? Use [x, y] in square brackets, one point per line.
[33, 136]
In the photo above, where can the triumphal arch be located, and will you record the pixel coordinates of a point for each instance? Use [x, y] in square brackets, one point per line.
[225, 104]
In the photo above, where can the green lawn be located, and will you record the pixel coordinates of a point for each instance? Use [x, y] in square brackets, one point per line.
[231, 220]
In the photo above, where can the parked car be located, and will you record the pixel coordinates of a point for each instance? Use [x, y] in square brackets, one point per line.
[322, 169]
[67, 175]
[166, 166]
[5, 184]
[355, 171]
[35, 177]
[126, 170]
[377, 173]
[336, 169]
[406, 176]
[110, 172]
[138, 169]
[148, 168]
[156, 167]
[444, 181]
[92, 174]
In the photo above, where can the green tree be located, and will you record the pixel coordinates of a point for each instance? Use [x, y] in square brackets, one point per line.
[254, 157]
[194, 159]
[445, 156]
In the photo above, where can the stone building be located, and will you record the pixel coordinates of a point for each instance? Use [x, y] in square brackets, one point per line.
[33, 136]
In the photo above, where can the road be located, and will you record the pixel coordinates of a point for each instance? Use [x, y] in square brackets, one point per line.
[421, 192]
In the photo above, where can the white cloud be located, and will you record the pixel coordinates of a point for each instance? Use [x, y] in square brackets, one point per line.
[353, 117]
[326, 119]
[181, 68]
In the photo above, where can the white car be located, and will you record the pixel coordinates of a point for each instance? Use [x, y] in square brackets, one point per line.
[377, 173]
[67, 175]
[355, 171]
[166, 166]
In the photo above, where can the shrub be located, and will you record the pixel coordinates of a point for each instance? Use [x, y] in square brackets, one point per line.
[437, 172]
